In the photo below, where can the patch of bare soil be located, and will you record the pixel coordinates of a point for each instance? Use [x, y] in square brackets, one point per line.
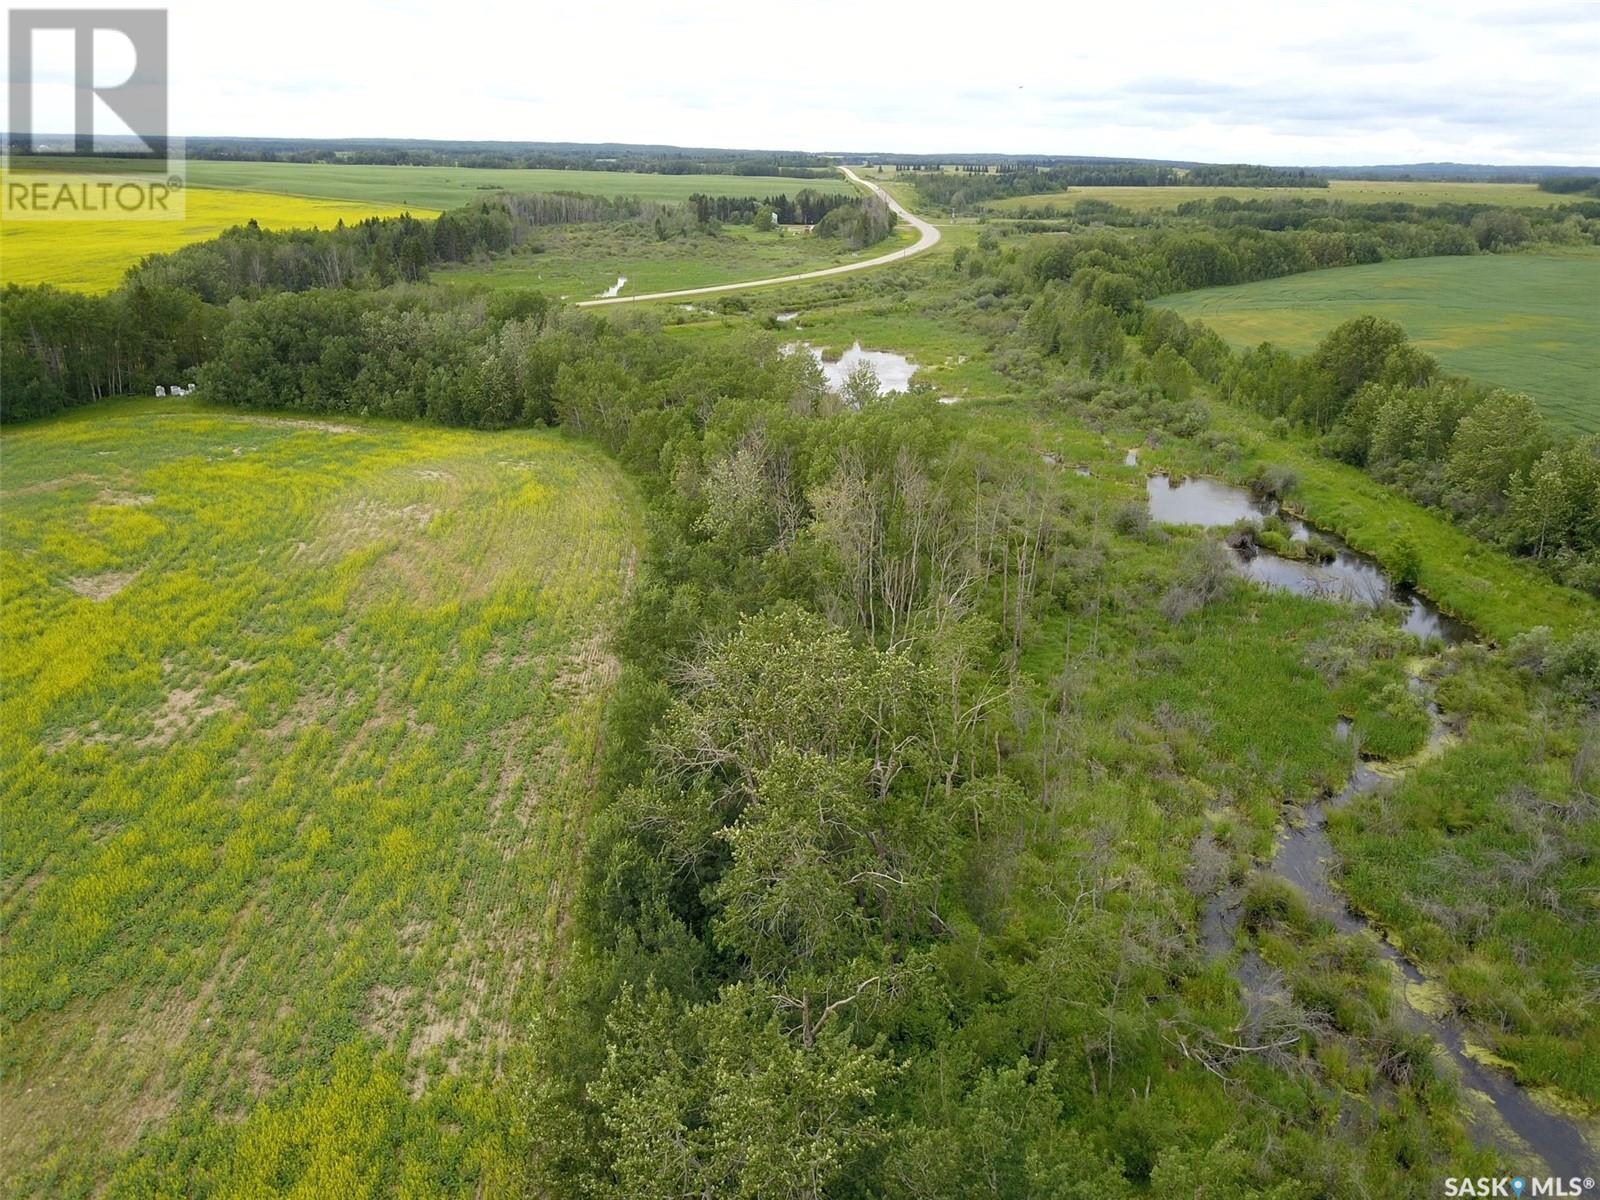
[309, 709]
[368, 521]
[300, 423]
[386, 1011]
[590, 666]
[102, 586]
[182, 711]
[118, 499]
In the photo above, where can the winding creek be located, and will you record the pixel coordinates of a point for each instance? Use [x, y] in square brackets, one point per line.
[1503, 1112]
[1345, 575]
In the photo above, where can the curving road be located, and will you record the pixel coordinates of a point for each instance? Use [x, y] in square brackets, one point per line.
[929, 237]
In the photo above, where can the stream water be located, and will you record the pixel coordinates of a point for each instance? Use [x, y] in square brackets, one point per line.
[1305, 857]
[615, 289]
[1347, 575]
[1504, 1112]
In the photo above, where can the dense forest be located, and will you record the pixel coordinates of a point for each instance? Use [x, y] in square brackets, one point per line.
[806, 207]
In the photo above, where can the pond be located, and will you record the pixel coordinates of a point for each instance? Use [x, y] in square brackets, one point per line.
[894, 371]
[1347, 575]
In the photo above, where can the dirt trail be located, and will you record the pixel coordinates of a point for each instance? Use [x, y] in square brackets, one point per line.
[927, 239]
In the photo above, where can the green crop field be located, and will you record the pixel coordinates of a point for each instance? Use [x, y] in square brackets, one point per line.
[580, 261]
[450, 187]
[300, 721]
[1523, 321]
[1351, 191]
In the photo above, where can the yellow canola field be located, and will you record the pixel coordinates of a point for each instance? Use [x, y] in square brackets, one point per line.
[92, 256]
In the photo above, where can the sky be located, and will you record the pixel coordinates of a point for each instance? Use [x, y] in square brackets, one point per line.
[1294, 83]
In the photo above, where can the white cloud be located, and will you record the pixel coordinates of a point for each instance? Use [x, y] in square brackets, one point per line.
[1289, 82]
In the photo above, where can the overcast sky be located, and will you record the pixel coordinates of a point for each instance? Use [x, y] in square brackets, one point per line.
[1362, 81]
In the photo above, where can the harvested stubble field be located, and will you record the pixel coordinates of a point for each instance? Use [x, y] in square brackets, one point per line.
[300, 720]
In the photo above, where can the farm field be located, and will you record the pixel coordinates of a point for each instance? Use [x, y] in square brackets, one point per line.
[450, 187]
[1524, 321]
[92, 256]
[300, 719]
[1351, 191]
[580, 261]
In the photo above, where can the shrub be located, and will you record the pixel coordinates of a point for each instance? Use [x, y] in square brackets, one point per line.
[1404, 560]
[1273, 901]
[1573, 666]
[1276, 482]
[1131, 520]
[1206, 577]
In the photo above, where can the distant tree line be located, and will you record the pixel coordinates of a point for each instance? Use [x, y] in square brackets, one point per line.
[965, 191]
[652, 160]
[1571, 185]
[250, 261]
[1247, 175]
